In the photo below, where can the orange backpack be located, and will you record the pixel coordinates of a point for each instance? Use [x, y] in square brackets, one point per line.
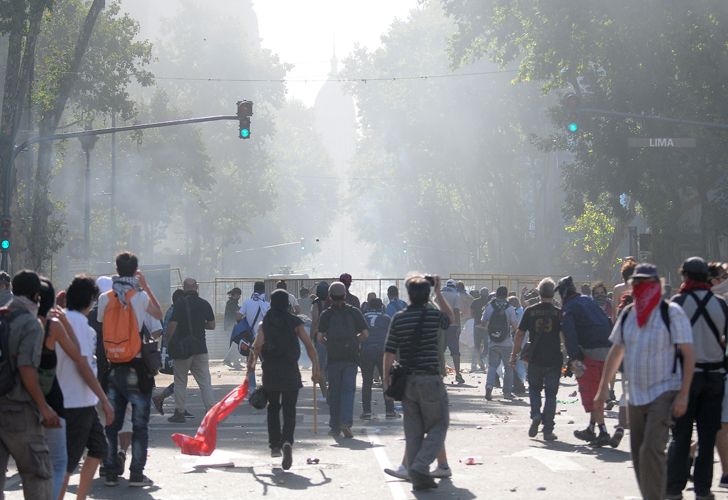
[122, 341]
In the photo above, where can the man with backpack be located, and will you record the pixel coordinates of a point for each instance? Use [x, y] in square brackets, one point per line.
[586, 333]
[652, 339]
[341, 328]
[252, 311]
[708, 315]
[121, 313]
[188, 347]
[372, 356]
[21, 397]
[499, 320]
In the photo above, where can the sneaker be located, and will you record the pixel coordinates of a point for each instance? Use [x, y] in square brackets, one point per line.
[459, 379]
[723, 481]
[533, 429]
[709, 496]
[139, 480]
[158, 403]
[393, 414]
[275, 452]
[602, 439]
[489, 393]
[421, 481]
[400, 472]
[346, 431]
[189, 415]
[111, 479]
[673, 496]
[616, 437]
[287, 456]
[365, 416]
[549, 436]
[587, 435]
[508, 396]
[441, 472]
[177, 418]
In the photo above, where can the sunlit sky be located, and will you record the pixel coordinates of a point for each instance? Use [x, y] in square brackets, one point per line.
[303, 33]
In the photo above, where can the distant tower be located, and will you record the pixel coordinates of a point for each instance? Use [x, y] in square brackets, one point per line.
[336, 119]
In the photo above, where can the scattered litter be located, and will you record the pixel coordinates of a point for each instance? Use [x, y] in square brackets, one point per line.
[568, 402]
[570, 422]
[312, 461]
[513, 490]
[479, 427]
[472, 460]
[573, 394]
[541, 488]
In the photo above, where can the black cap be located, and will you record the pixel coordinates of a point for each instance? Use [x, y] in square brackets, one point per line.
[566, 287]
[235, 291]
[694, 265]
[645, 271]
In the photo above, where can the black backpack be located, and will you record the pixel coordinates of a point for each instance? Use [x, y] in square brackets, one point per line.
[7, 366]
[498, 327]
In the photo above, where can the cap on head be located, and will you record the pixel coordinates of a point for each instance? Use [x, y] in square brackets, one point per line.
[104, 284]
[695, 266]
[450, 284]
[337, 290]
[646, 271]
[501, 292]
[235, 291]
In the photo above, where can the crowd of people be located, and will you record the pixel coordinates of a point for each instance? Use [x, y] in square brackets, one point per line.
[75, 376]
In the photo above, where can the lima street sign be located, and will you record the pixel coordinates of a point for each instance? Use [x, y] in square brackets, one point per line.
[661, 142]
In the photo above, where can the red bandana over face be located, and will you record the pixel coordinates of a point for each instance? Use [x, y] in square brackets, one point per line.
[646, 297]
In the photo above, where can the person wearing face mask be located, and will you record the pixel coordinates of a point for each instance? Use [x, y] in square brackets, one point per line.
[599, 294]
[650, 337]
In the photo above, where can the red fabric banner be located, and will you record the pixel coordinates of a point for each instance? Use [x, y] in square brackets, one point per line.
[205, 441]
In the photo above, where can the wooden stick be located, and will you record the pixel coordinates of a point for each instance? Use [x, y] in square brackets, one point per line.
[315, 410]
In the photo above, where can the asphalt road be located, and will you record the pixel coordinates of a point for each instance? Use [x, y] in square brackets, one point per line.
[511, 465]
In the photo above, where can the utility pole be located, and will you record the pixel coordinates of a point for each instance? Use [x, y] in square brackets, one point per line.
[87, 144]
[112, 214]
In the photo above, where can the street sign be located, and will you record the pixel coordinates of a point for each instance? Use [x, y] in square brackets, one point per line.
[661, 142]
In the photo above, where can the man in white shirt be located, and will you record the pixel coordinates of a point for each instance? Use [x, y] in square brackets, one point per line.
[129, 383]
[648, 335]
[254, 309]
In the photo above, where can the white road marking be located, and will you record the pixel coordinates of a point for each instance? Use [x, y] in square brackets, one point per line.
[395, 487]
[554, 460]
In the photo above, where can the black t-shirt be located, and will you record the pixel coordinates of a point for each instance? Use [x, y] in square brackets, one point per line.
[543, 324]
[200, 312]
[340, 325]
[280, 352]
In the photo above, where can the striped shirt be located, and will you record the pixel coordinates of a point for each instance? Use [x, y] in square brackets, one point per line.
[649, 353]
[401, 336]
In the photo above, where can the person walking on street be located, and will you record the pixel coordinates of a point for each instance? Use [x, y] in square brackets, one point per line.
[253, 310]
[341, 328]
[232, 306]
[188, 347]
[351, 299]
[277, 344]
[318, 306]
[414, 334]
[708, 315]
[480, 334]
[24, 411]
[449, 291]
[122, 312]
[586, 333]
[395, 303]
[499, 320]
[372, 356]
[650, 338]
[543, 323]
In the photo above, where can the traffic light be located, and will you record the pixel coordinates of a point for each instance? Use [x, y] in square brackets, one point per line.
[5, 234]
[245, 111]
[303, 243]
[571, 106]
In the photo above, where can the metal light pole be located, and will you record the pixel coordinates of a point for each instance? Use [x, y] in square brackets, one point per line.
[112, 215]
[87, 144]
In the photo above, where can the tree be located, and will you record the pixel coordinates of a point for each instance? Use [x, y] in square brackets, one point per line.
[626, 56]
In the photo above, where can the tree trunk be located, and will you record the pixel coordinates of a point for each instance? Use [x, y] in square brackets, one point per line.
[605, 267]
[39, 241]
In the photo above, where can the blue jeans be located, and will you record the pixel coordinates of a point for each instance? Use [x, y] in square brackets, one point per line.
[342, 386]
[498, 354]
[123, 390]
[544, 378]
[56, 439]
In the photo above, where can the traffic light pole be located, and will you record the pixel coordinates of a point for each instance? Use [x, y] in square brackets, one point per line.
[18, 148]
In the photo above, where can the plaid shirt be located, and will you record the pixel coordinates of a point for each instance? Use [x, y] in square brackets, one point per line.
[649, 353]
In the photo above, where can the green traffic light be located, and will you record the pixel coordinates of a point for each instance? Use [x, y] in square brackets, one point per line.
[573, 127]
[244, 133]
[5, 244]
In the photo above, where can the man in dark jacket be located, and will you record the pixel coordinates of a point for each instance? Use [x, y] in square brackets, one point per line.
[586, 331]
[372, 356]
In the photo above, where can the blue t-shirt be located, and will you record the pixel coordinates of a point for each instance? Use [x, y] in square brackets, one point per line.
[394, 307]
[378, 326]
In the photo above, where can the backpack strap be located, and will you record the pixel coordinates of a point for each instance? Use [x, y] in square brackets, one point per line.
[665, 314]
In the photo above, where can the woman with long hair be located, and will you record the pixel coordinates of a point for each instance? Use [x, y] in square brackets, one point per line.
[278, 347]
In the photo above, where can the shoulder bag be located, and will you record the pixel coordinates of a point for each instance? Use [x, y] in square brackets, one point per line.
[398, 372]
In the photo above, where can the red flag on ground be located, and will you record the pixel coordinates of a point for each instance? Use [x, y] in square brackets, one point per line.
[205, 441]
